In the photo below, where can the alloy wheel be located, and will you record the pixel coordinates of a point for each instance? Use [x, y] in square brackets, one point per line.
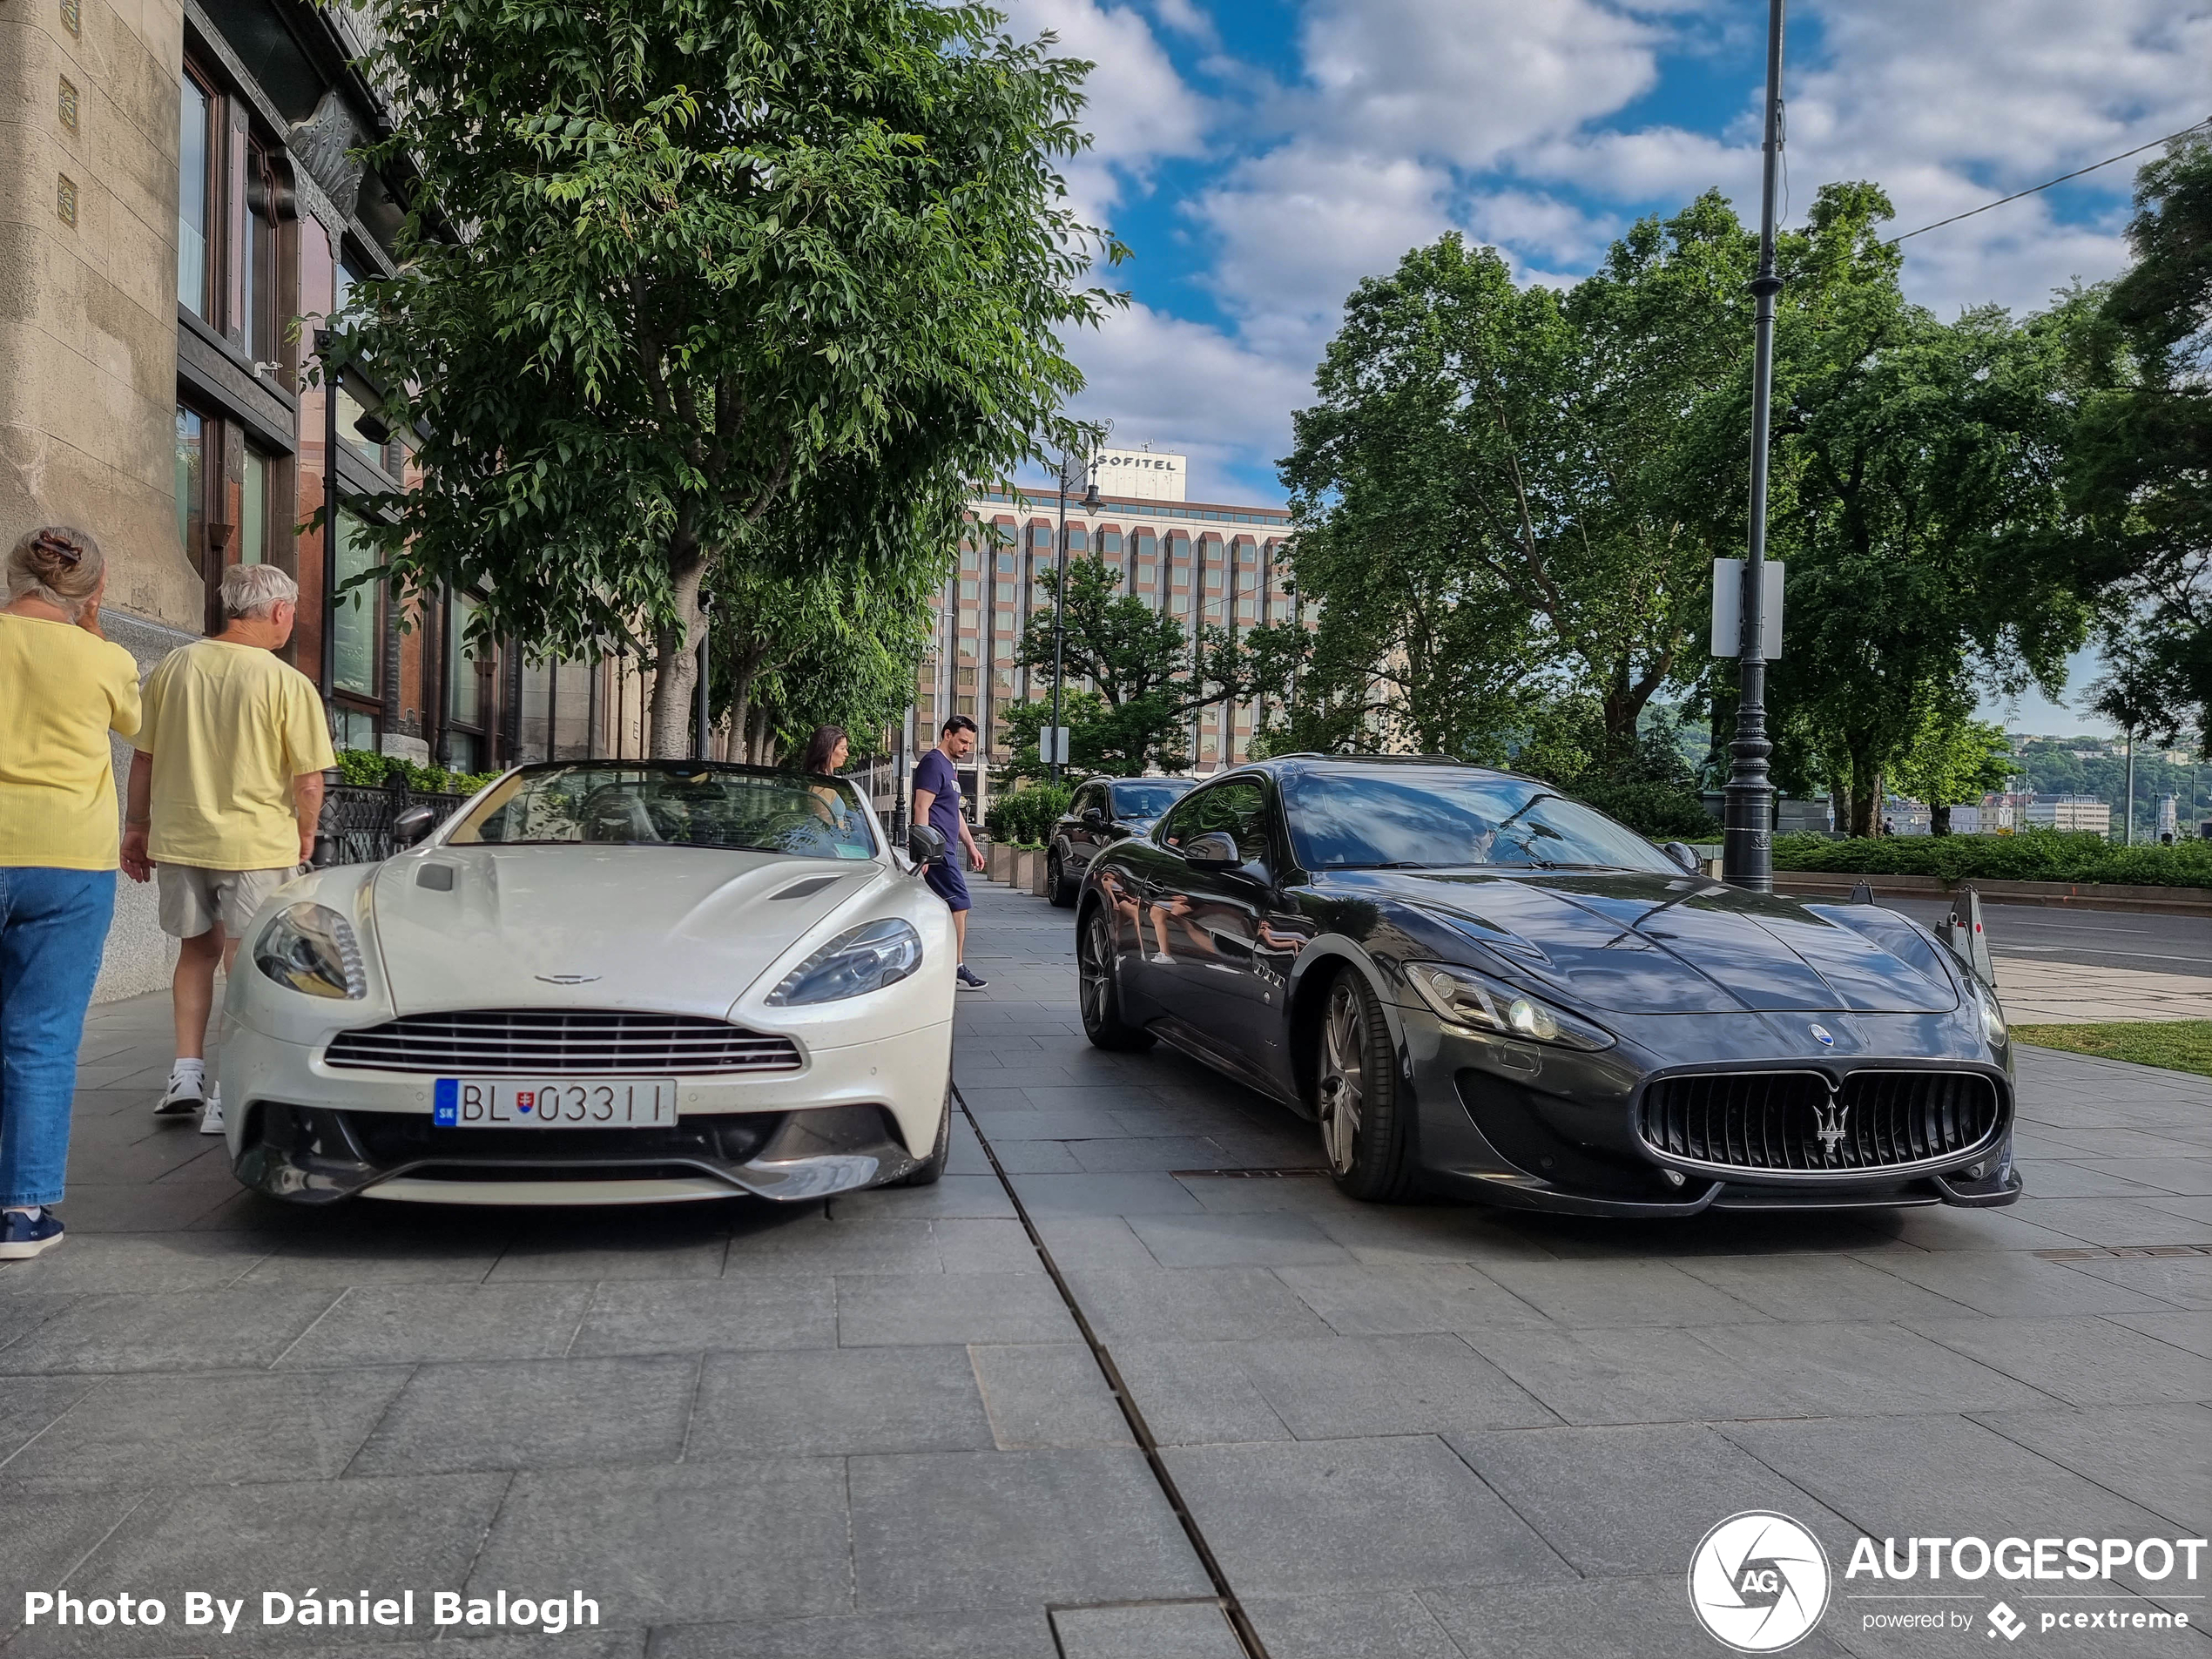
[1341, 1090]
[1094, 971]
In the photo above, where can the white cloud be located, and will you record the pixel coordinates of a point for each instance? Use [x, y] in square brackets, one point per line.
[1467, 80]
[1138, 110]
[1501, 117]
[1182, 385]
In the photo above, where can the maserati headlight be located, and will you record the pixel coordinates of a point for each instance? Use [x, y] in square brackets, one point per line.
[1465, 997]
[865, 958]
[311, 947]
[1993, 1017]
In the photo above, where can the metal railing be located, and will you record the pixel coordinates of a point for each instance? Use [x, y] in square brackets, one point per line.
[357, 819]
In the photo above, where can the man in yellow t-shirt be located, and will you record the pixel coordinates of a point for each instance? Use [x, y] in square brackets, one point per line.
[225, 792]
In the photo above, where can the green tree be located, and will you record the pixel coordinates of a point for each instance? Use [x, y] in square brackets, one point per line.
[2142, 461]
[1950, 757]
[1489, 479]
[792, 652]
[1134, 679]
[1917, 504]
[691, 286]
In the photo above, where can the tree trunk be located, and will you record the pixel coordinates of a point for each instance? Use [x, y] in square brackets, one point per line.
[677, 666]
[1866, 791]
[1939, 818]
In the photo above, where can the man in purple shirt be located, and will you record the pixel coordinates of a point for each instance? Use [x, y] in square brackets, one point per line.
[937, 804]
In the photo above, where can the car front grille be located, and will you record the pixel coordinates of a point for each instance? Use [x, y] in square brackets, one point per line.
[1793, 1121]
[562, 1042]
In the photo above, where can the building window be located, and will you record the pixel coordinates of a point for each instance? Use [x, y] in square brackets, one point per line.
[195, 198]
[355, 615]
[351, 728]
[264, 319]
[192, 483]
[253, 509]
[1078, 539]
[536, 736]
[1109, 542]
[465, 699]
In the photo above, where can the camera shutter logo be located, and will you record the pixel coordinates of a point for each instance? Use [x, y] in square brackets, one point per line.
[1758, 1581]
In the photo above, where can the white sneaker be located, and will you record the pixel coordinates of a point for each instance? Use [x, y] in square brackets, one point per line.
[1162, 959]
[187, 1092]
[211, 1121]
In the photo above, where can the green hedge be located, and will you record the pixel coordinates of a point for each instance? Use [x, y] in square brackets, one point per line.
[372, 771]
[1025, 817]
[1663, 812]
[2033, 856]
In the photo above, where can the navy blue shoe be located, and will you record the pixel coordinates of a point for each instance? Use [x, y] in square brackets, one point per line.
[970, 979]
[22, 1234]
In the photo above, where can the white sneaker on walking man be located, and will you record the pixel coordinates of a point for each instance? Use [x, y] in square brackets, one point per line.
[225, 792]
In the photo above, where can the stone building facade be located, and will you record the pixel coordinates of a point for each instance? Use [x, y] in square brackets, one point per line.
[1200, 561]
[179, 212]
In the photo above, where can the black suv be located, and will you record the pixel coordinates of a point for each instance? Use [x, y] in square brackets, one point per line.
[1103, 811]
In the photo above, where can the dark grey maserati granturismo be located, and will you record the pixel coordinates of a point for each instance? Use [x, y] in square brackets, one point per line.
[1476, 986]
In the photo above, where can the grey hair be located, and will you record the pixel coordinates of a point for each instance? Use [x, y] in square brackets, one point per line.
[58, 564]
[255, 590]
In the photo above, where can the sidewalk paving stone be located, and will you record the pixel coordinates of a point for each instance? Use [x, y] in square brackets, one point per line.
[966, 1530]
[817, 1402]
[1289, 1518]
[533, 1414]
[169, 1429]
[870, 1427]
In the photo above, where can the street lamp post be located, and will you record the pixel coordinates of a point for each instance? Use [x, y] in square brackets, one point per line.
[1748, 853]
[1060, 600]
[701, 703]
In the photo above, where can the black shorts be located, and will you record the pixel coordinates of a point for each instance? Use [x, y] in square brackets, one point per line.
[948, 882]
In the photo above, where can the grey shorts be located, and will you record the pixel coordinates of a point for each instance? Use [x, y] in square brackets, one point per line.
[193, 899]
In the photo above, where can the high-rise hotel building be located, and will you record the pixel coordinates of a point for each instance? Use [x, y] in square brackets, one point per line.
[1199, 562]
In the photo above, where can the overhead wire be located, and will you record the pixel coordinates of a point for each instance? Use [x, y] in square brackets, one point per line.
[2047, 183]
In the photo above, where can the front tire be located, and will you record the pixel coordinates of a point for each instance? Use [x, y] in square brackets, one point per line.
[1356, 1097]
[1058, 890]
[1098, 990]
[931, 1168]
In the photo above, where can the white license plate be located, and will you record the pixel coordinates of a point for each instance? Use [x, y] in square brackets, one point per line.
[553, 1103]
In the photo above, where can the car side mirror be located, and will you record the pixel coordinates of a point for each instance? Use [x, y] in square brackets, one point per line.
[1681, 854]
[1213, 850]
[926, 844]
[1093, 819]
[413, 824]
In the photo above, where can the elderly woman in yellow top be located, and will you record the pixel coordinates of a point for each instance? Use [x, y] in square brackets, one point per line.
[64, 688]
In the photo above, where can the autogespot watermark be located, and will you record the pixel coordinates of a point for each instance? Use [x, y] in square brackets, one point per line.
[1760, 1581]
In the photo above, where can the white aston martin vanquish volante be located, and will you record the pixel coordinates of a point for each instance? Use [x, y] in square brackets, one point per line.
[601, 982]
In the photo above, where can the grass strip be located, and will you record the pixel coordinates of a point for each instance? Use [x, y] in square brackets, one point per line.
[2173, 1045]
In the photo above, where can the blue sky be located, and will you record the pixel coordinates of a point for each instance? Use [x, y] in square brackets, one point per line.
[1261, 156]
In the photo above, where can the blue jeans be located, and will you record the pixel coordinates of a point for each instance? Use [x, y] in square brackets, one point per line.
[53, 925]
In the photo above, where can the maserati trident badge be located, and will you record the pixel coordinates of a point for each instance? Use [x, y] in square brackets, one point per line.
[1828, 1124]
[1822, 1036]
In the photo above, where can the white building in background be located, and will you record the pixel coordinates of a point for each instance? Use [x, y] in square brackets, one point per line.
[2069, 812]
[1966, 821]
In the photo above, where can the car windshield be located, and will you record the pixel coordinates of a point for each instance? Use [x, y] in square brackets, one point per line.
[1348, 821]
[1147, 800]
[671, 804]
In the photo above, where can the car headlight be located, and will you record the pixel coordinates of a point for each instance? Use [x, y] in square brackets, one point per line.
[1993, 1017]
[310, 948]
[866, 958]
[1465, 997]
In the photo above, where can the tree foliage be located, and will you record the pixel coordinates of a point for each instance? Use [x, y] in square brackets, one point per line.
[1135, 678]
[694, 286]
[2143, 462]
